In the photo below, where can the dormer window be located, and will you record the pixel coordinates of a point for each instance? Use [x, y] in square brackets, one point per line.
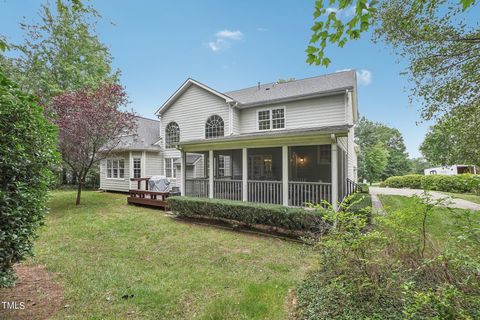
[271, 119]
[214, 127]
[172, 135]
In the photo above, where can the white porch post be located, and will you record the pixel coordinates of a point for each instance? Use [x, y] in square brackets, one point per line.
[244, 174]
[334, 172]
[183, 172]
[210, 174]
[143, 169]
[130, 173]
[285, 175]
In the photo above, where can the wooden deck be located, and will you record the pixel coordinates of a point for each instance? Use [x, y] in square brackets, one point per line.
[147, 197]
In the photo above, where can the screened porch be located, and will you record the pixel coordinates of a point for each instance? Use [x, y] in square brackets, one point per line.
[288, 175]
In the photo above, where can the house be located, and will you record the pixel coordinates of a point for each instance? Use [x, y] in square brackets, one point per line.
[451, 170]
[287, 143]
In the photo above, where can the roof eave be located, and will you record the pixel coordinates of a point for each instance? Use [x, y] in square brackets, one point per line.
[183, 88]
[295, 98]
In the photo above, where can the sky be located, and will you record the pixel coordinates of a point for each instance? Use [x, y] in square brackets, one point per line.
[231, 45]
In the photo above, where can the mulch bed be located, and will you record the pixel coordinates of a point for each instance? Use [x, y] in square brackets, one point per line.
[35, 295]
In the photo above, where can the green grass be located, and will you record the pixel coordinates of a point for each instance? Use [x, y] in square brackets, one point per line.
[465, 196]
[442, 222]
[105, 249]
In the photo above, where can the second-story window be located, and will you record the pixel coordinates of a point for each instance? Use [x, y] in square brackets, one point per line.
[271, 119]
[172, 135]
[214, 127]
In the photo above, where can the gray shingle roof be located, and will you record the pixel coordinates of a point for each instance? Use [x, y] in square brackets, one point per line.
[272, 92]
[190, 159]
[147, 133]
[337, 129]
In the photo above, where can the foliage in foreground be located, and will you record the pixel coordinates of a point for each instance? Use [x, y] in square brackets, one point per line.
[27, 153]
[297, 219]
[398, 270]
[462, 183]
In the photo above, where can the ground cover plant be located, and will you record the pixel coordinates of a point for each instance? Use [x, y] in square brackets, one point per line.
[417, 262]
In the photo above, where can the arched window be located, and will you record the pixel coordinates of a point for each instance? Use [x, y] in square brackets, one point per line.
[214, 127]
[172, 135]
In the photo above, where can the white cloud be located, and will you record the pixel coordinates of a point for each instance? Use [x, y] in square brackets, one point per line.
[342, 13]
[260, 29]
[224, 38]
[364, 77]
[228, 34]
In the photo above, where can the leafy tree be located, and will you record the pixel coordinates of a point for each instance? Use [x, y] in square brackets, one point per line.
[454, 138]
[441, 47]
[61, 52]
[27, 153]
[418, 165]
[375, 162]
[90, 123]
[368, 134]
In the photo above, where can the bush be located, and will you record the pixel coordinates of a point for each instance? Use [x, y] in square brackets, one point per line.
[359, 203]
[463, 183]
[363, 188]
[412, 181]
[27, 152]
[393, 271]
[297, 219]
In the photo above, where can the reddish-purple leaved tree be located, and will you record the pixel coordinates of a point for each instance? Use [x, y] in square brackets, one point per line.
[90, 123]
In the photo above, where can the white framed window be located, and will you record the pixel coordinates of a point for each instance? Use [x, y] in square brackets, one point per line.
[214, 127]
[115, 168]
[172, 135]
[271, 119]
[170, 168]
[137, 167]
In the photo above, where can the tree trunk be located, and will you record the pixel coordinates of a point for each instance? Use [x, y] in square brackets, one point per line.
[64, 176]
[79, 192]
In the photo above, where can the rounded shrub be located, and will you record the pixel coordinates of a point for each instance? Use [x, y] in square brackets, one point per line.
[27, 153]
[412, 181]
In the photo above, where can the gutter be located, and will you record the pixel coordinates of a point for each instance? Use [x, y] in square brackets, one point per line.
[295, 98]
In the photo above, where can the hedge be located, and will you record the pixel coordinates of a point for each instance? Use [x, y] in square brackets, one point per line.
[463, 183]
[28, 151]
[251, 214]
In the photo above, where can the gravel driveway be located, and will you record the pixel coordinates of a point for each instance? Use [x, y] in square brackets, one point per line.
[454, 203]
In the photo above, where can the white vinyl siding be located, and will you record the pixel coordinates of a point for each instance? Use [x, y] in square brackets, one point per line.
[153, 164]
[119, 184]
[191, 111]
[311, 113]
[348, 145]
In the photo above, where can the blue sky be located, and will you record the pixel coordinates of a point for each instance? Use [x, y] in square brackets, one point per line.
[230, 45]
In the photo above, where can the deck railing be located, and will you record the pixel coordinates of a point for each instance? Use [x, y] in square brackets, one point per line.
[300, 193]
[227, 189]
[196, 187]
[265, 191]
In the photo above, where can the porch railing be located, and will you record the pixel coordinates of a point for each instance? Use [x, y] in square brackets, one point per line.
[227, 189]
[300, 193]
[352, 187]
[197, 187]
[265, 191]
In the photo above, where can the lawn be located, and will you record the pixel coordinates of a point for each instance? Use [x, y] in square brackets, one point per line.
[442, 224]
[465, 196]
[105, 249]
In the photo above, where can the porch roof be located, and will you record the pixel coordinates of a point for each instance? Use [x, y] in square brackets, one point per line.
[274, 135]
